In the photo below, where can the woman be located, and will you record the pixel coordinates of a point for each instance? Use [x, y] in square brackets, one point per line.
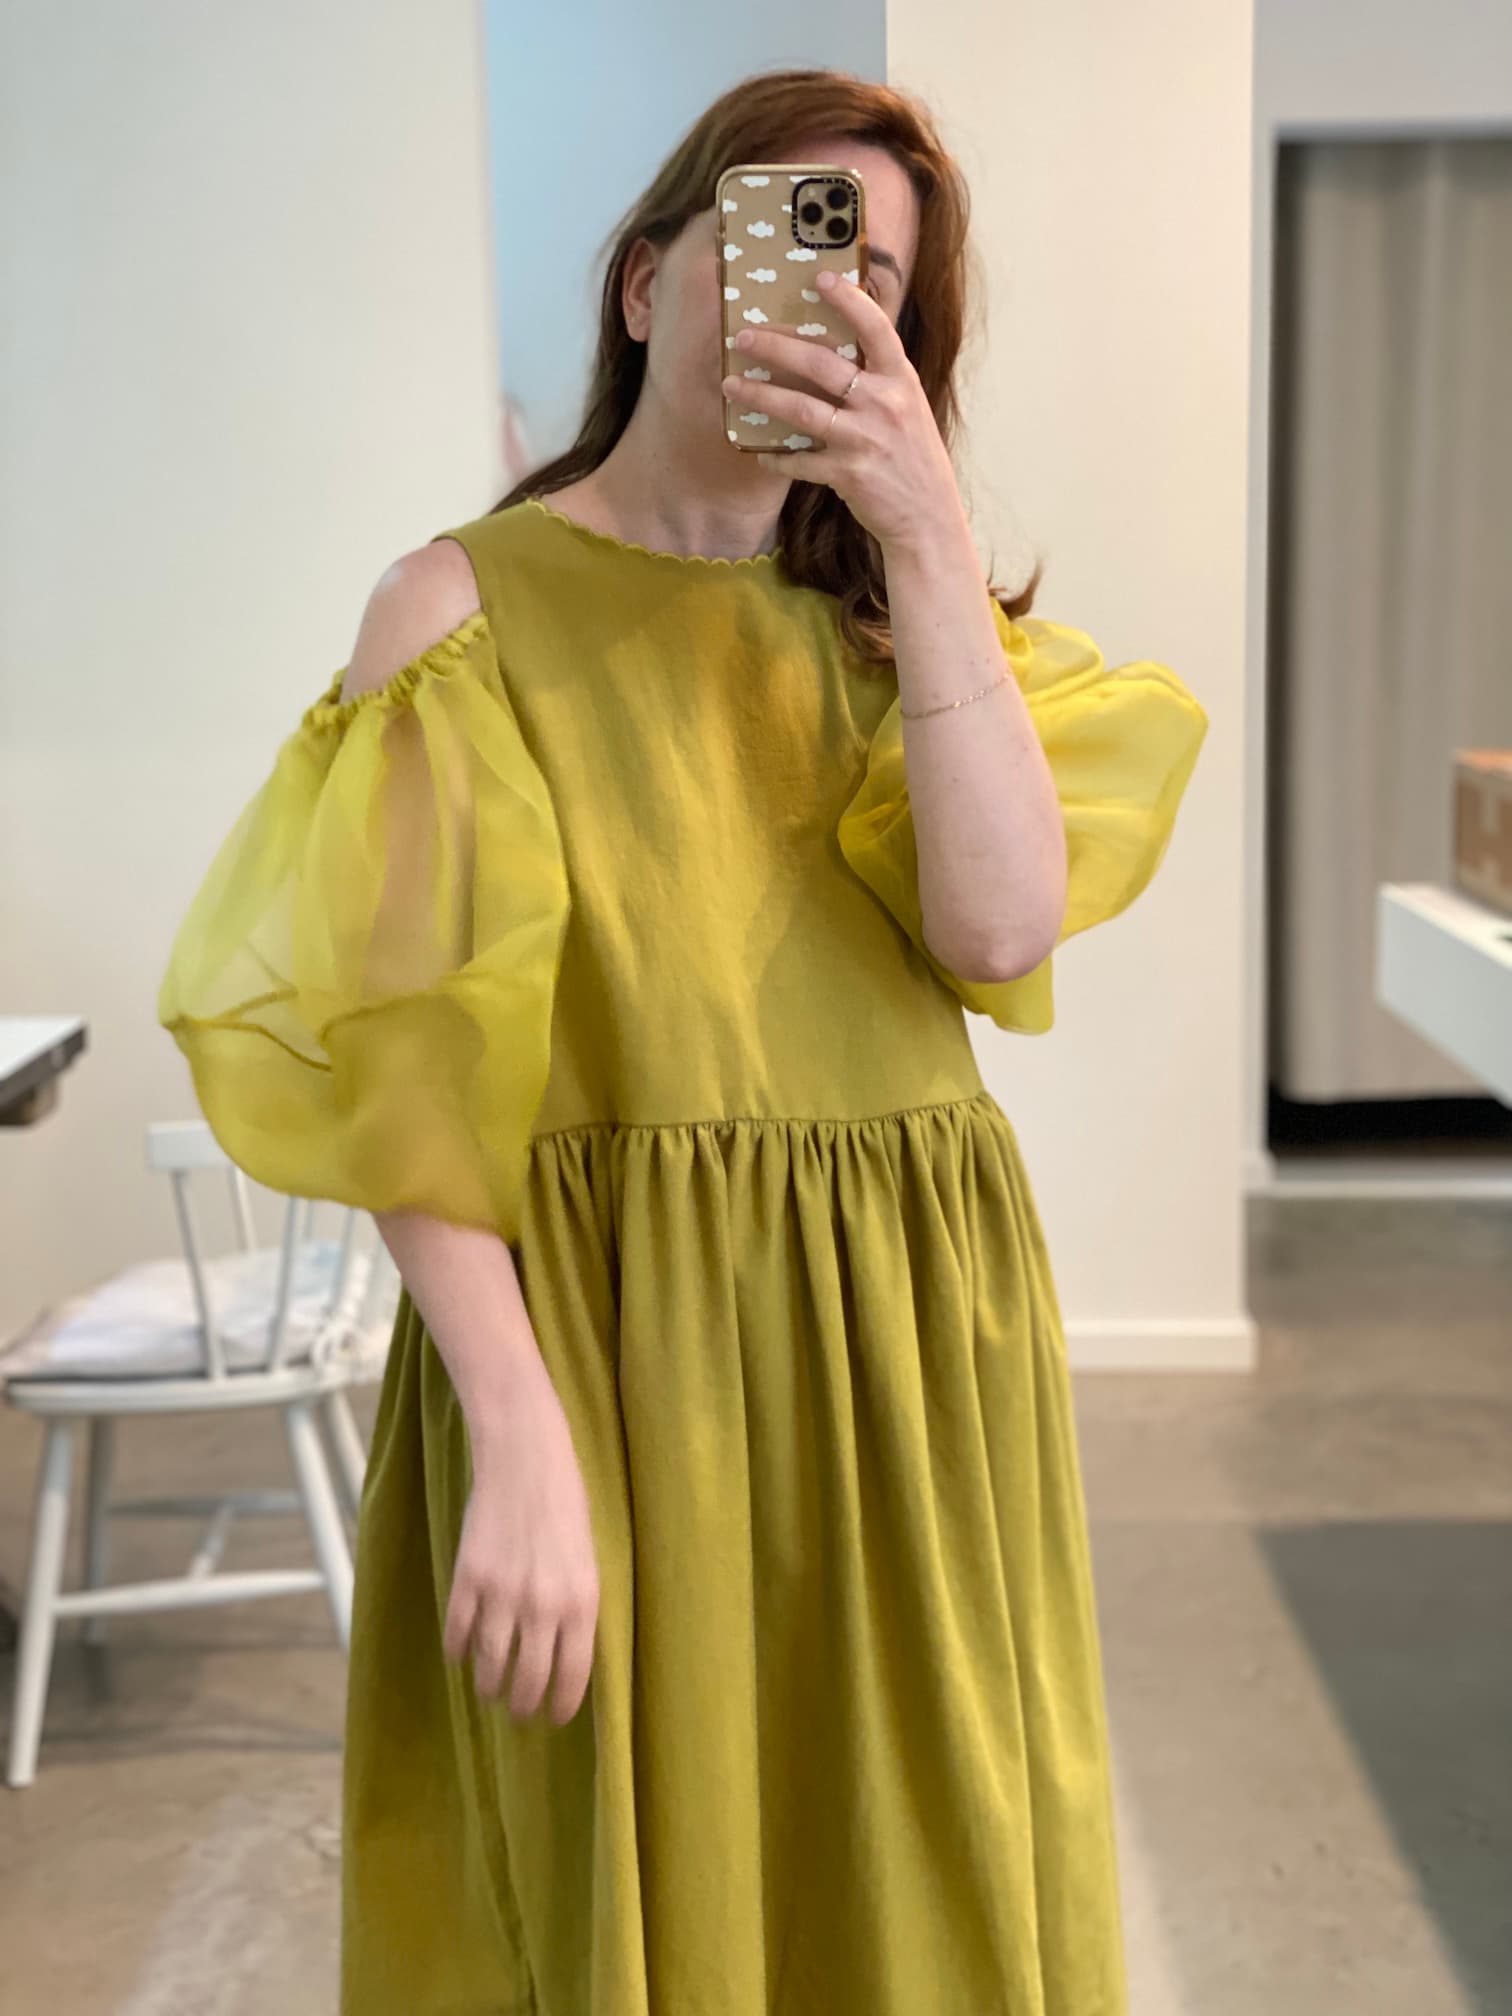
[724, 1640]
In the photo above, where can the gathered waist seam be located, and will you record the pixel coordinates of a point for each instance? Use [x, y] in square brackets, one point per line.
[898, 1113]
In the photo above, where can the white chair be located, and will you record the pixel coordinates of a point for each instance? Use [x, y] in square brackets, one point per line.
[291, 1326]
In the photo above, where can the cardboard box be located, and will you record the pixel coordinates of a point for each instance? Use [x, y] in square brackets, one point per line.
[1483, 825]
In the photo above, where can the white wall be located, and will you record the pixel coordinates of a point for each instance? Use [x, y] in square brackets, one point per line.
[1108, 150]
[251, 360]
[1370, 69]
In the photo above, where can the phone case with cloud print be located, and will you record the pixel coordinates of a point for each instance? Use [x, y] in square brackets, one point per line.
[769, 278]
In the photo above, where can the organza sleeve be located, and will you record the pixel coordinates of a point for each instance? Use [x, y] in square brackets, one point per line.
[1121, 743]
[363, 984]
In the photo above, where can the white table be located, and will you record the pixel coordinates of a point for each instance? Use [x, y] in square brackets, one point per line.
[1444, 967]
[35, 1051]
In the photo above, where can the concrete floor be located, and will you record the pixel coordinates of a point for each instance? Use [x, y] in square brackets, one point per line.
[1305, 1585]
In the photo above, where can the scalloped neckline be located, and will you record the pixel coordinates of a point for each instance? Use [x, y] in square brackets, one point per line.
[608, 539]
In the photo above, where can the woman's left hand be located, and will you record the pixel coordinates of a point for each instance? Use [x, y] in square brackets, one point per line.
[881, 449]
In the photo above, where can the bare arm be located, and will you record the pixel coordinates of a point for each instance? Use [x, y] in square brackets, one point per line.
[990, 836]
[991, 839]
[525, 1566]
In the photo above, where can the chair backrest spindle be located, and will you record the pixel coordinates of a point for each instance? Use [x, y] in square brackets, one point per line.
[241, 1209]
[215, 1356]
[278, 1333]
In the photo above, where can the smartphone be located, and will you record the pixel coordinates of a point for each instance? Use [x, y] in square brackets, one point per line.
[780, 224]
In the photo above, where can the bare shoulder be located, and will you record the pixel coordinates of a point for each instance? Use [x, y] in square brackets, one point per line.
[417, 600]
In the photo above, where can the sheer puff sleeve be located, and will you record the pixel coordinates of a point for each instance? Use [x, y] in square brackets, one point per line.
[363, 984]
[1121, 742]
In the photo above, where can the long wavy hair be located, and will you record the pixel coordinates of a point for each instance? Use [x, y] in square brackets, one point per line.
[823, 544]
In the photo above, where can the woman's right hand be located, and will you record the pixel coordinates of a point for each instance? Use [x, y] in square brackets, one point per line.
[525, 1564]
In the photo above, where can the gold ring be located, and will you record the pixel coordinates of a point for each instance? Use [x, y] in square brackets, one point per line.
[849, 388]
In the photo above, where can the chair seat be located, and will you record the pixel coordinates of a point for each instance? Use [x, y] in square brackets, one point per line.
[143, 1323]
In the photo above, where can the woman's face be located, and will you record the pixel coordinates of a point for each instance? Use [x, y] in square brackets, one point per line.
[673, 299]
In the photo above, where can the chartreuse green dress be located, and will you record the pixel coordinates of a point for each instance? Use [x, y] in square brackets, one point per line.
[599, 925]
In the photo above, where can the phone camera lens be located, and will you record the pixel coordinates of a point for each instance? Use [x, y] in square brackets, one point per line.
[838, 228]
[838, 196]
[810, 213]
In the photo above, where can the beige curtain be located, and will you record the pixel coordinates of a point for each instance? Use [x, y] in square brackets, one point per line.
[1391, 570]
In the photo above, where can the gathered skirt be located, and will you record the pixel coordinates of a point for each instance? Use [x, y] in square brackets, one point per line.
[844, 1750]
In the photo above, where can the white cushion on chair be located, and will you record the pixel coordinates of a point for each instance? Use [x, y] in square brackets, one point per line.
[143, 1322]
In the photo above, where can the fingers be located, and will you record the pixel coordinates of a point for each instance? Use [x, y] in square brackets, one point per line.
[461, 1612]
[491, 1642]
[811, 415]
[574, 1660]
[870, 320]
[803, 356]
[551, 1637]
[480, 1619]
[533, 1667]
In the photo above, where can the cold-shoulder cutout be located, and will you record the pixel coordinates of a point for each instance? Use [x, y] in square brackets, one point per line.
[421, 600]
[456, 652]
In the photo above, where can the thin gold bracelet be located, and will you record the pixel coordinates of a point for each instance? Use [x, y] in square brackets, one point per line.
[918, 713]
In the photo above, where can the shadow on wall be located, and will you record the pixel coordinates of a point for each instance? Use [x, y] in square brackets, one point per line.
[517, 457]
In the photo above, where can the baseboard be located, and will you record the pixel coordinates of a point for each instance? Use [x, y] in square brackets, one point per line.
[1424, 1179]
[1180, 1345]
[1258, 1171]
